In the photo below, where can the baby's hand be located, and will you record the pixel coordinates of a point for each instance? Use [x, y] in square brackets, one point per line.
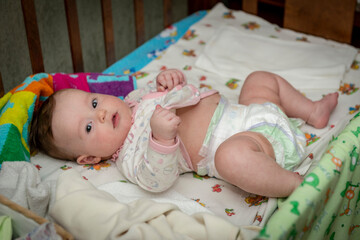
[168, 79]
[164, 124]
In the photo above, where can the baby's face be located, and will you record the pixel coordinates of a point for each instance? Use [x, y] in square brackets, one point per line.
[90, 124]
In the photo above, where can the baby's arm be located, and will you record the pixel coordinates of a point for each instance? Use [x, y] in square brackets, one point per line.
[168, 79]
[164, 124]
[159, 168]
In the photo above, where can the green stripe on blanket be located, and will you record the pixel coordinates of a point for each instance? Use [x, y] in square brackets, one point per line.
[327, 204]
[17, 108]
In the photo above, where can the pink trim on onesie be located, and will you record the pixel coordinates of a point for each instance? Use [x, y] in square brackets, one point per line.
[162, 148]
[154, 95]
[170, 149]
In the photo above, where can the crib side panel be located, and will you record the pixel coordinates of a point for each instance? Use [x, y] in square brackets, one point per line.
[76, 35]
[14, 52]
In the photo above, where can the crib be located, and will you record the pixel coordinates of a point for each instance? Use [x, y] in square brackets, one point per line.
[115, 47]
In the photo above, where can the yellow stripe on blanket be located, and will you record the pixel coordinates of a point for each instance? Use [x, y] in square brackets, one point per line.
[16, 111]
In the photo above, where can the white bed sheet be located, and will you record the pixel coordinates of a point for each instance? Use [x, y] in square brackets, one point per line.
[214, 195]
[305, 65]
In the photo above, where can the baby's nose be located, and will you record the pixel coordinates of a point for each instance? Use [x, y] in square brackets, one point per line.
[102, 115]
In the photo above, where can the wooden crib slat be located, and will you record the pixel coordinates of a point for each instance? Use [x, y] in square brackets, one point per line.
[167, 13]
[336, 22]
[74, 35]
[1, 87]
[29, 214]
[357, 19]
[196, 5]
[33, 37]
[108, 32]
[277, 3]
[250, 6]
[139, 22]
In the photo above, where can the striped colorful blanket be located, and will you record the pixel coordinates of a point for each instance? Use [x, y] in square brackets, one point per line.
[18, 105]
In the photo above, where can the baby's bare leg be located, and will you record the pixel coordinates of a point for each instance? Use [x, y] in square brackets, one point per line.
[247, 160]
[260, 87]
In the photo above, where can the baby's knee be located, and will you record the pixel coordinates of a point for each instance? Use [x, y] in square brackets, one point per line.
[242, 147]
[259, 75]
[259, 80]
[227, 156]
[238, 147]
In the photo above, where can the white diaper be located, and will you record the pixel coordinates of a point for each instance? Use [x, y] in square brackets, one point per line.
[268, 119]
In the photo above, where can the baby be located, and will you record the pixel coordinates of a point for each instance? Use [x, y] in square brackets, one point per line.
[156, 135]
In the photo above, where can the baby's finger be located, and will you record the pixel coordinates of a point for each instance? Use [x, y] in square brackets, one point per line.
[161, 80]
[180, 76]
[160, 88]
[158, 110]
[175, 120]
[169, 81]
[163, 112]
[175, 78]
[168, 115]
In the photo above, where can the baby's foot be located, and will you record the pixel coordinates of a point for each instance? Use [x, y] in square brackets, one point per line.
[320, 115]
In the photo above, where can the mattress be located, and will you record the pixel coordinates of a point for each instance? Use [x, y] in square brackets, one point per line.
[181, 46]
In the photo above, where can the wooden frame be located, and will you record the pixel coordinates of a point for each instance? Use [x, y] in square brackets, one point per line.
[196, 5]
[32, 34]
[335, 23]
[74, 35]
[331, 19]
[1, 87]
[108, 31]
[139, 22]
[72, 19]
[30, 215]
[340, 12]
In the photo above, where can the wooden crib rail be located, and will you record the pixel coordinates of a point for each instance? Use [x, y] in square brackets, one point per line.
[74, 35]
[32, 34]
[29, 214]
[331, 19]
[33, 37]
[31, 55]
[1, 87]
[34, 46]
[139, 22]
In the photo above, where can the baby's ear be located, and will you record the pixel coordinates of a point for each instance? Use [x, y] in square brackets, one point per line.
[85, 159]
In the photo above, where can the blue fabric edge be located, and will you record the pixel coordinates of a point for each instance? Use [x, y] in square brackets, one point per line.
[139, 58]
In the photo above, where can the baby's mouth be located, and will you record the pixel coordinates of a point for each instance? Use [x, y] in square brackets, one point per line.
[115, 119]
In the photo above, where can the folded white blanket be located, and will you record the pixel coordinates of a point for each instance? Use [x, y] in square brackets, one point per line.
[89, 213]
[232, 52]
[128, 192]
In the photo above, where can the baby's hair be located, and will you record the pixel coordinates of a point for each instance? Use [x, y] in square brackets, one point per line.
[41, 136]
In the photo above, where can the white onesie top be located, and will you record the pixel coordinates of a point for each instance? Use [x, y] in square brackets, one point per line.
[153, 166]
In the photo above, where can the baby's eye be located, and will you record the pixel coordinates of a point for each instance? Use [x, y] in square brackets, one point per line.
[88, 127]
[94, 103]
